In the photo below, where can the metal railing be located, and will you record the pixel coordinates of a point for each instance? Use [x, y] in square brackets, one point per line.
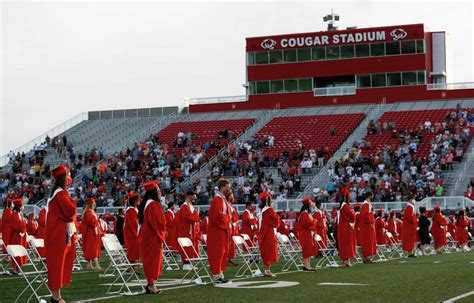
[334, 91]
[450, 86]
[209, 100]
[4, 160]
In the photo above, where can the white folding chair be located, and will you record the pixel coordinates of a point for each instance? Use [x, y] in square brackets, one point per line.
[168, 258]
[452, 245]
[110, 270]
[4, 258]
[198, 269]
[248, 256]
[327, 254]
[79, 253]
[203, 246]
[395, 246]
[291, 254]
[122, 269]
[34, 254]
[31, 277]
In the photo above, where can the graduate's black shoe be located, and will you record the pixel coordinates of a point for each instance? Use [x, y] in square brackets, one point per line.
[220, 281]
[53, 300]
[411, 256]
[308, 269]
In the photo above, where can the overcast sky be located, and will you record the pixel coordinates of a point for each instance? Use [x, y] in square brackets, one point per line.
[59, 59]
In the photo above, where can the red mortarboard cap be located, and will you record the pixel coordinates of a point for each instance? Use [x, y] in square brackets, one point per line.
[437, 207]
[132, 194]
[461, 212]
[18, 202]
[90, 201]
[264, 195]
[306, 200]
[59, 171]
[380, 211]
[150, 185]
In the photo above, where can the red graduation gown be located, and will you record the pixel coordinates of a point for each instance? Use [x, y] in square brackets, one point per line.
[367, 230]
[185, 220]
[438, 231]
[392, 228]
[410, 223]
[90, 235]
[170, 230]
[321, 227]
[380, 229]
[218, 233]
[283, 228]
[234, 232]
[462, 233]
[306, 234]
[267, 238]
[6, 229]
[41, 228]
[204, 225]
[59, 255]
[152, 236]
[130, 234]
[399, 230]
[18, 235]
[249, 226]
[32, 227]
[357, 229]
[452, 230]
[346, 232]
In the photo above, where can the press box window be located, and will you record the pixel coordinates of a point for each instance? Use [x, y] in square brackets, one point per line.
[362, 50]
[263, 87]
[409, 47]
[305, 84]
[304, 54]
[319, 53]
[421, 77]
[276, 56]
[251, 58]
[392, 48]
[253, 88]
[420, 46]
[289, 55]
[347, 51]
[377, 49]
[378, 80]
[261, 57]
[394, 79]
[409, 78]
[291, 85]
[363, 81]
[333, 52]
[276, 86]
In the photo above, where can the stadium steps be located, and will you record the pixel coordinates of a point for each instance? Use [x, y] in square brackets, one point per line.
[462, 175]
[374, 112]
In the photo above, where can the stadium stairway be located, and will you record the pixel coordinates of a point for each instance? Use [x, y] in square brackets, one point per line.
[456, 184]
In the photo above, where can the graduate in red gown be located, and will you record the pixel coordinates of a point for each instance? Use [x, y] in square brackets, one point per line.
[462, 234]
[41, 229]
[357, 224]
[367, 229]
[204, 223]
[321, 226]
[218, 232]
[346, 234]
[249, 223]
[267, 237]
[186, 218]
[18, 231]
[152, 234]
[284, 227]
[392, 225]
[91, 235]
[234, 231]
[59, 238]
[409, 228]
[307, 231]
[6, 230]
[32, 225]
[438, 229]
[170, 229]
[452, 227]
[130, 228]
[399, 222]
[381, 228]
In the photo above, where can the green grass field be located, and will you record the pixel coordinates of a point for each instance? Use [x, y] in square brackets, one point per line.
[433, 278]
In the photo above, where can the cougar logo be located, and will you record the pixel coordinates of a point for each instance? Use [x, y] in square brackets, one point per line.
[268, 44]
[398, 34]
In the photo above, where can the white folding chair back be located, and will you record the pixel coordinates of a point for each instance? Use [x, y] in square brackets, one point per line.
[35, 255]
[123, 270]
[327, 254]
[198, 264]
[3, 259]
[291, 254]
[35, 278]
[249, 257]
[169, 260]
